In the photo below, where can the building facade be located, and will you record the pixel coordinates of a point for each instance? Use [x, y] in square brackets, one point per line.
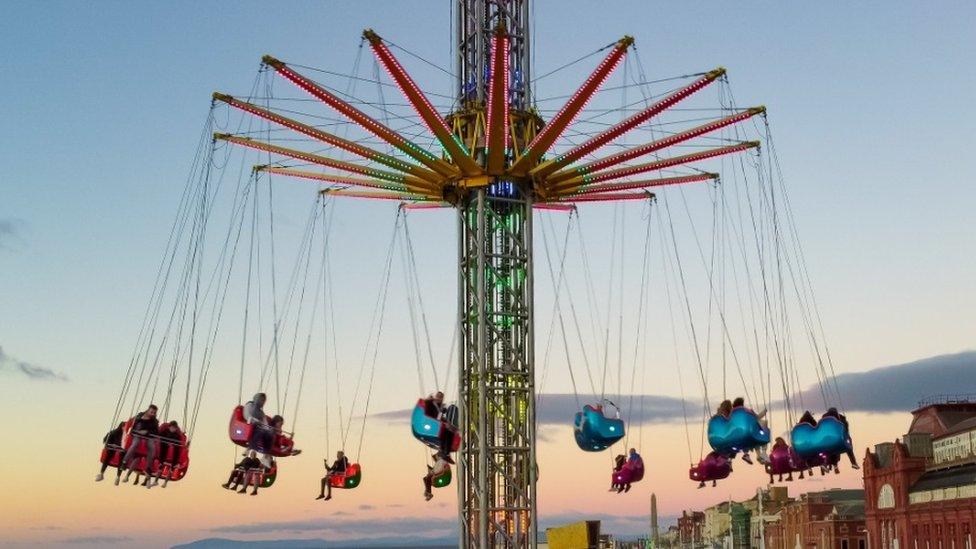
[690, 529]
[831, 519]
[921, 490]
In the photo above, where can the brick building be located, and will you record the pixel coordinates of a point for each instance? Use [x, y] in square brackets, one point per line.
[690, 529]
[831, 519]
[921, 490]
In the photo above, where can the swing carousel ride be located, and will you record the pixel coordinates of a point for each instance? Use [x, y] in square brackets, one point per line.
[502, 158]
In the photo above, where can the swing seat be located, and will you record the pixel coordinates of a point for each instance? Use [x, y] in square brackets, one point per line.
[741, 432]
[442, 480]
[176, 462]
[595, 432]
[828, 437]
[348, 480]
[784, 460]
[240, 433]
[632, 471]
[268, 477]
[428, 430]
[113, 454]
[714, 466]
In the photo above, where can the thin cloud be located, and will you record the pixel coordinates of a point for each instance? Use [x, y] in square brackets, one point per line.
[30, 370]
[404, 526]
[10, 231]
[97, 540]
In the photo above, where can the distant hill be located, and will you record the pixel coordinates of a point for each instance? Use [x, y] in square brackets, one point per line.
[398, 543]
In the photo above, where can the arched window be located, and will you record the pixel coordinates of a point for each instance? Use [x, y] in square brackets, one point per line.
[886, 497]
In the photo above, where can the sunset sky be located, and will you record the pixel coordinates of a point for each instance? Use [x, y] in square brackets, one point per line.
[871, 109]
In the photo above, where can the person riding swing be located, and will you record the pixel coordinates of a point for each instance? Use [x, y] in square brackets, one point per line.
[339, 467]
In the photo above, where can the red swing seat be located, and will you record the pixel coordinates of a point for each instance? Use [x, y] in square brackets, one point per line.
[240, 431]
[173, 469]
[351, 478]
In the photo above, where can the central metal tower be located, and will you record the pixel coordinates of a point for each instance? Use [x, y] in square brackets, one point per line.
[497, 465]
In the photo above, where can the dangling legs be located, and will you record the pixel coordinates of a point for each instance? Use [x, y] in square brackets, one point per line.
[325, 481]
[247, 481]
[428, 482]
[233, 480]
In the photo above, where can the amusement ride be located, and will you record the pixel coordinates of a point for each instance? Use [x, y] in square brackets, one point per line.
[513, 166]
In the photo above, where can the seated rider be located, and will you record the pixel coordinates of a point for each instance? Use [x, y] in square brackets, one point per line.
[237, 476]
[145, 426]
[339, 467]
[113, 443]
[434, 408]
[618, 464]
[832, 412]
[262, 435]
[724, 409]
[277, 426]
[170, 439]
[780, 445]
[807, 418]
[633, 460]
[740, 402]
[440, 466]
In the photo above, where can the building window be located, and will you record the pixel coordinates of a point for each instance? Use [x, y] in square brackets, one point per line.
[886, 497]
[844, 544]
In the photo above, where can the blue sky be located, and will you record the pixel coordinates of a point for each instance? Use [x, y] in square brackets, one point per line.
[870, 105]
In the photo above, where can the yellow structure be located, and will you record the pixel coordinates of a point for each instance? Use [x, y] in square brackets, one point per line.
[579, 535]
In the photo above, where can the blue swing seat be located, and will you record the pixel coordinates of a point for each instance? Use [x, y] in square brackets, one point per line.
[741, 432]
[427, 429]
[829, 437]
[595, 432]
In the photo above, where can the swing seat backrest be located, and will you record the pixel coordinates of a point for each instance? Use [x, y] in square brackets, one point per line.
[828, 437]
[595, 432]
[739, 433]
[348, 480]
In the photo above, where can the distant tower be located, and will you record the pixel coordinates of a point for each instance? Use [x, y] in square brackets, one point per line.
[654, 530]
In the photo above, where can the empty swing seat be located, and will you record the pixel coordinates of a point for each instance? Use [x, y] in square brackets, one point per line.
[349, 479]
[428, 430]
[714, 466]
[741, 432]
[632, 471]
[240, 433]
[828, 438]
[595, 432]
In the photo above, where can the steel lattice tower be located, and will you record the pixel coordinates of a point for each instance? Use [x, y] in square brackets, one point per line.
[497, 473]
